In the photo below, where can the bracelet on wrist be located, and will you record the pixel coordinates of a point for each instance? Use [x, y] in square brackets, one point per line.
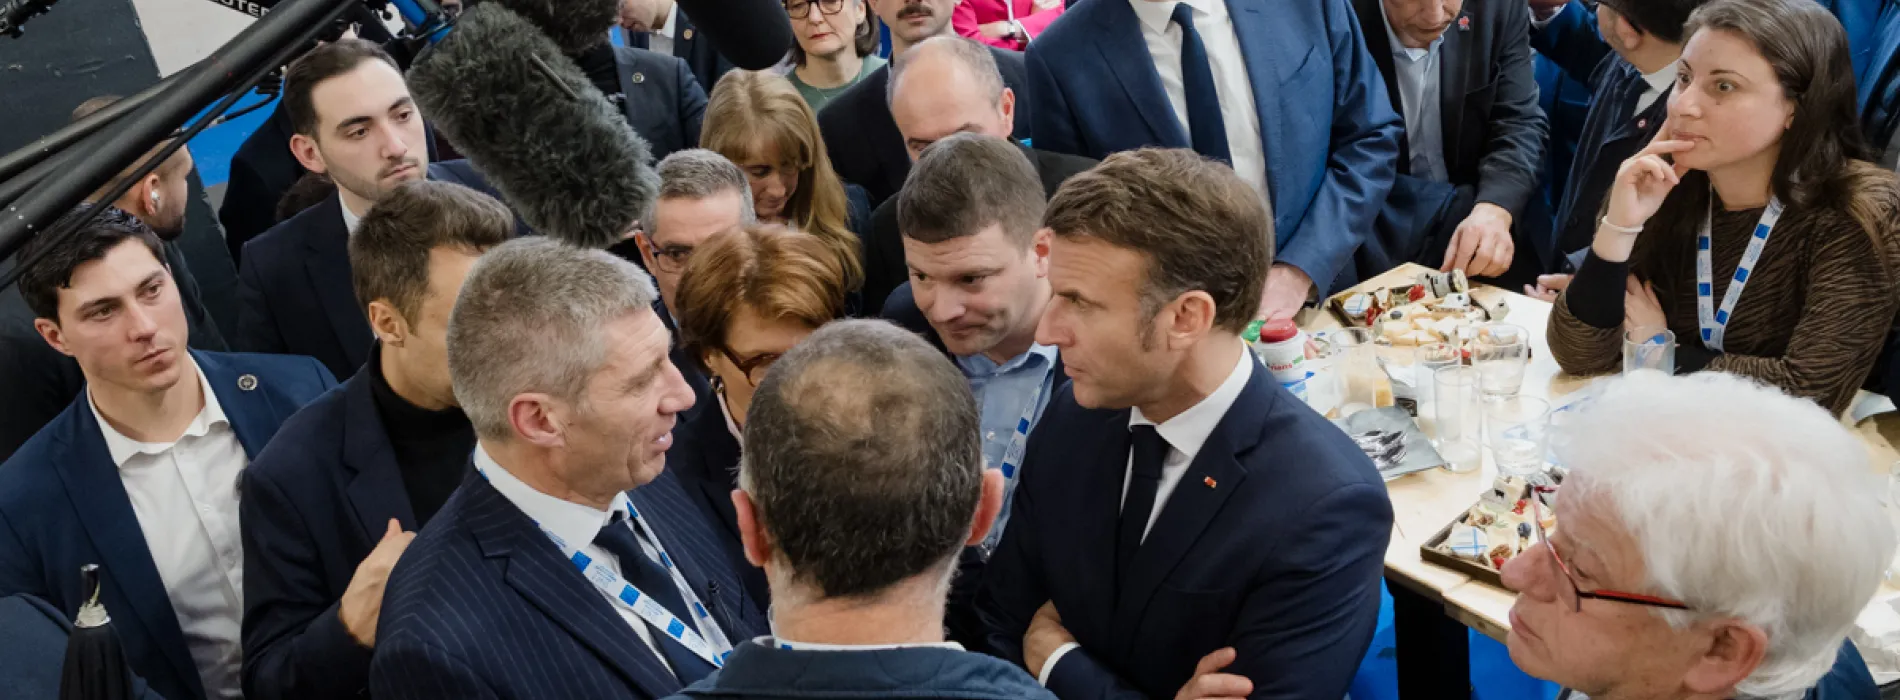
[1625, 230]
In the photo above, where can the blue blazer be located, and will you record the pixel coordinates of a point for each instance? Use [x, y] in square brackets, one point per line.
[1273, 543]
[483, 605]
[294, 287]
[62, 506]
[664, 102]
[1330, 134]
[1879, 84]
[316, 502]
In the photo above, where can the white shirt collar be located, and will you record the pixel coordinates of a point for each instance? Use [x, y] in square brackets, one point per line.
[1664, 78]
[123, 448]
[573, 523]
[1187, 432]
[781, 643]
[350, 219]
[672, 23]
[1399, 47]
[1158, 15]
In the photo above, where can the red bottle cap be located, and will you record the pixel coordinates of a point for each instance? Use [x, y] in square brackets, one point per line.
[1278, 331]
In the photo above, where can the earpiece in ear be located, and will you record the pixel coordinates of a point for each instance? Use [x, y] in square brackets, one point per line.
[155, 199]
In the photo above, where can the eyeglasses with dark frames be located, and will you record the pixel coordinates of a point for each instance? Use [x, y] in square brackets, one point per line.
[753, 367]
[1562, 569]
[669, 259]
[801, 9]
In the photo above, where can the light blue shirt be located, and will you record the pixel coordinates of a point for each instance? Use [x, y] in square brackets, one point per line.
[1002, 396]
[1419, 90]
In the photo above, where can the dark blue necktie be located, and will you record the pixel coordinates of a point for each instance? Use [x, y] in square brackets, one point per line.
[653, 580]
[1205, 128]
[1149, 450]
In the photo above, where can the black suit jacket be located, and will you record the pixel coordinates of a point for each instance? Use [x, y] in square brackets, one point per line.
[863, 141]
[705, 459]
[884, 267]
[295, 288]
[664, 102]
[1494, 134]
[700, 56]
[1273, 544]
[483, 605]
[316, 502]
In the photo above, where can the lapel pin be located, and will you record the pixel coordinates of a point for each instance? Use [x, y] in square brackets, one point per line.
[1209, 481]
[1464, 23]
[687, 35]
[1642, 123]
[638, 78]
[247, 382]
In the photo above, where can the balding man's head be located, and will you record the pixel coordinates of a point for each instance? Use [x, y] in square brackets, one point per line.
[863, 427]
[947, 85]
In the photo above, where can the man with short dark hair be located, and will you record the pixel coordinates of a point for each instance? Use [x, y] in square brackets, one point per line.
[862, 427]
[335, 499]
[140, 474]
[1181, 523]
[355, 122]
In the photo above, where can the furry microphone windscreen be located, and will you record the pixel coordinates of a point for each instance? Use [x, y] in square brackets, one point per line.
[563, 157]
[574, 25]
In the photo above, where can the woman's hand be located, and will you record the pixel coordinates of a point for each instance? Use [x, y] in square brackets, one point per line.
[1641, 308]
[997, 30]
[1641, 185]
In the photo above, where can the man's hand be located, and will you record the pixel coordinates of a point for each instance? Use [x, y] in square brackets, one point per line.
[1548, 287]
[1641, 308]
[362, 602]
[1000, 29]
[1209, 683]
[1482, 246]
[1286, 291]
[1046, 634]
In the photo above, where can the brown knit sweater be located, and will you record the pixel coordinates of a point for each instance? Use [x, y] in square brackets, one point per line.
[1815, 314]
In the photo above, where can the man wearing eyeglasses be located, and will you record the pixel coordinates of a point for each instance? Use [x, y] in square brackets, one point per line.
[701, 194]
[1721, 546]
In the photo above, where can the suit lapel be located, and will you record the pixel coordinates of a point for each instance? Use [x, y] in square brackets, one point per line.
[92, 482]
[1126, 53]
[328, 266]
[253, 415]
[376, 491]
[629, 100]
[1260, 48]
[531, 565]
[664, 496]
[1102, 467]
[1454, 81]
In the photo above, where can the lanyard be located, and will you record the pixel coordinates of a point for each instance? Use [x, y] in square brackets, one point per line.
[713, 647]
[1013, 460]
[1715, 321]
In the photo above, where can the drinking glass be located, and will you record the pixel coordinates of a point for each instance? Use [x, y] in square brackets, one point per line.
[1426, 361]
[1457, 418]
[1358, 381]
[1501, 351]
[1517, 429]
[1649, 347]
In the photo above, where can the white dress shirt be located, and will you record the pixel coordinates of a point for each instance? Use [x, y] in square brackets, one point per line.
[1231, 83]
[1660, 83]
[661, 40]
[185, 496]
[1420, 89]
[1185, 434]
[575, 523]
[350, 219]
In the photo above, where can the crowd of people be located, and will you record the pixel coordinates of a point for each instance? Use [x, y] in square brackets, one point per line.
[924, 374]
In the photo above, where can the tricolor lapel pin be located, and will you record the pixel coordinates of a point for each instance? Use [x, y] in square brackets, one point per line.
[1209, 481]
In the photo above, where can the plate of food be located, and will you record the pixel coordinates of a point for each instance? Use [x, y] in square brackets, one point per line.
[1500, 526]
[1439, 307]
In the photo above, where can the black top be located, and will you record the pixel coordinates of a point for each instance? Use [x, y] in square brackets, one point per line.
[598, 63]
[432, 447]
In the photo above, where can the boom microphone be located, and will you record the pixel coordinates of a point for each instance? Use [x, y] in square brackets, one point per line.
[529, 119]
[752, 34]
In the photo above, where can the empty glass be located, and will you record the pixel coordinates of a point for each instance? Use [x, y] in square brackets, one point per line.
[1517, 429]
[1358, 381]
[1457, 420]
[1649, 348]
[1501, 351]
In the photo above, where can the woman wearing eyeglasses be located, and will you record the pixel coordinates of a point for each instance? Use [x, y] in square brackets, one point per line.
[1714, 539]
[745, 298]
[836, 47]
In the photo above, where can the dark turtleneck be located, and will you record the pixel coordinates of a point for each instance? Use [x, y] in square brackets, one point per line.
[432, 447]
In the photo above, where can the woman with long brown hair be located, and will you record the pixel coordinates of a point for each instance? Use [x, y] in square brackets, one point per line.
[758, 121]
[1755, 182]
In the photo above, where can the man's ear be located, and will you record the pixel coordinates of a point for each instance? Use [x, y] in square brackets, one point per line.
[387, 323]
[51, 333]
[987, 507]
[1008, 104]
[758, 544]
[305, 149]
[1191, 318]
[534, 420]
[1735, 649]
[645, 244]
[1039, 247]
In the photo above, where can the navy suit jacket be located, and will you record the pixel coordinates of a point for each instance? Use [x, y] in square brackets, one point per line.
[1879, 84]
[62, 506]
[482, 605]
[295, 288]
[700, 56]
[1329, 132]
[1273, 544]
[705, 459]
[316, 502]
[664, 102]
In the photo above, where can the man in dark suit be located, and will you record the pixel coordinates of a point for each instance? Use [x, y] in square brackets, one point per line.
[333, 501]
[1459, 73]
[662, 27]
[356, 123]
[946, 85]
[1181, 523]
[865, 145]
[544, 576]
[140, 474]
[1286, 93]
[862, 426]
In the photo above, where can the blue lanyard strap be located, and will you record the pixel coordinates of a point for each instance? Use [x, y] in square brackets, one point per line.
[1714, 321]
[1013, 458]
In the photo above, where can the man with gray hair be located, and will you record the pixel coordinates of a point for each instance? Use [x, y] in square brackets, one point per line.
[943, 86]
[862, 428]
[1720, 545]
[568, 534]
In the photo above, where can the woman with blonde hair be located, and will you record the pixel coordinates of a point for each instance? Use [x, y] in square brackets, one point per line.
[758, 121]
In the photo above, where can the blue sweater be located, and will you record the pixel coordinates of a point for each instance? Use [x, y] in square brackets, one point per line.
[759, 672]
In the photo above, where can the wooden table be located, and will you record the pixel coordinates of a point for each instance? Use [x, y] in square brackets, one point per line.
[1426, 597]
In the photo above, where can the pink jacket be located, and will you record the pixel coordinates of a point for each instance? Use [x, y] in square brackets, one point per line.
[971, 14]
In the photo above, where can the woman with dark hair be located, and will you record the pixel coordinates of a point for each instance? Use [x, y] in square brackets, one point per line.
[1756, 182]
[836, 47]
